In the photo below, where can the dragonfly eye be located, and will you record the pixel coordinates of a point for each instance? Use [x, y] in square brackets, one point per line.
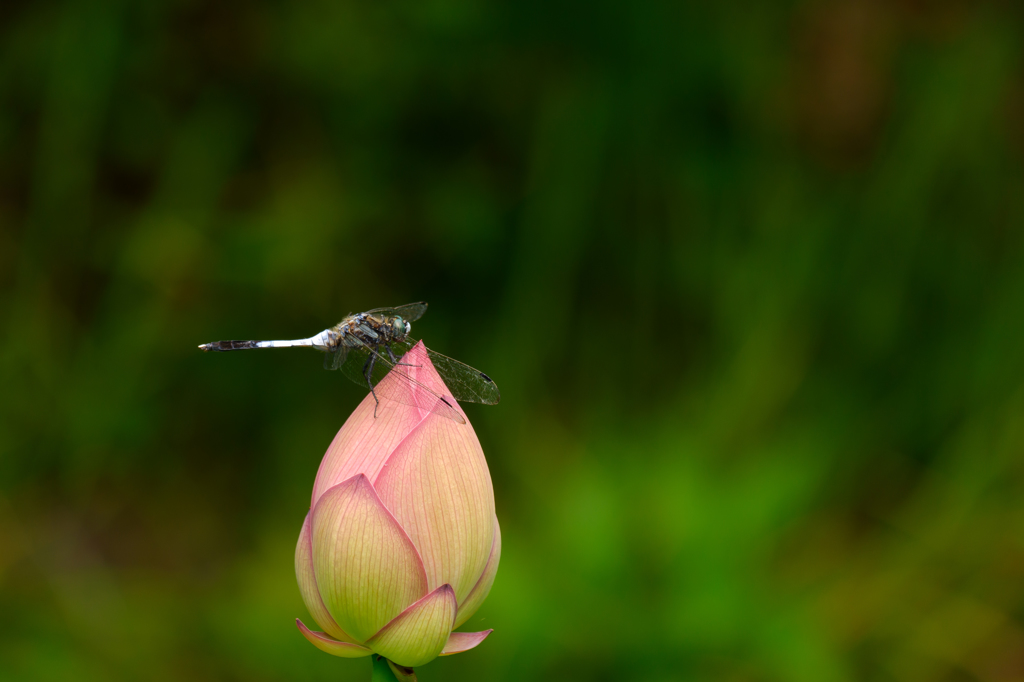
[399, 327]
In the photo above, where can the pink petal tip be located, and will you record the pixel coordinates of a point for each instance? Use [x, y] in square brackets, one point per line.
[463, 641]
[331, 646]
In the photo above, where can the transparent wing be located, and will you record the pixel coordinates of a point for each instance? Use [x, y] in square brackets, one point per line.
[410, 312]
[390, 380]
[468, 385]
[336, 358]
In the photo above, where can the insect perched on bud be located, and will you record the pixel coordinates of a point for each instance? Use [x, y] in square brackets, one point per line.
[369, 346]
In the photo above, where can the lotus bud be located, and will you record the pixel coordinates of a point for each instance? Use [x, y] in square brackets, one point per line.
[401, 543]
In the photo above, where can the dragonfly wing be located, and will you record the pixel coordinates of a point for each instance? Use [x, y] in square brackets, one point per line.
[368, 367]
[336, 358]
[410, 312]
[468, 385]
[355, 364]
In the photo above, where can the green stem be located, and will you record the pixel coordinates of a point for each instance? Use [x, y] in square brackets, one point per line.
[383, 672]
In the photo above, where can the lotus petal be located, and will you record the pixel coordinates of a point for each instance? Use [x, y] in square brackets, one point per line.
[307, 585]
[426, 389]
[463, 641]
[419, 634]
[332, 646]
[367, 570]
[437, 485]
[483, 586]
[364, 442]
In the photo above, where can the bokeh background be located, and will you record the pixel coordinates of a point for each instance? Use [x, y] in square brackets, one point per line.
[750, 277]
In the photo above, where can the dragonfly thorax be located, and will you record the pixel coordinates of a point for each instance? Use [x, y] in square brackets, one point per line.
[368, 330]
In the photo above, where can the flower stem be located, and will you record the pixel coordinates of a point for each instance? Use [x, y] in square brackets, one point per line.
[386, 671]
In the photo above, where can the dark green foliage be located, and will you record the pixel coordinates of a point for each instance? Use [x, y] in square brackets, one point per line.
[750, 278]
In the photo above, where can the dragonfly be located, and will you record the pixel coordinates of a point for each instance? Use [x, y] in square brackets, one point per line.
[369, 348]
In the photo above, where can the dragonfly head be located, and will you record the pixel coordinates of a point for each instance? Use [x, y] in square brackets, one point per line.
[399, 327]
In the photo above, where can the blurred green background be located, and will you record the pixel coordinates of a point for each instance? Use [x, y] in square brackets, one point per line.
[750, 277]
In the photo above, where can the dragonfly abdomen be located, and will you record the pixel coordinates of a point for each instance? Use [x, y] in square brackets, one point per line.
[229, 345]
[321, 341]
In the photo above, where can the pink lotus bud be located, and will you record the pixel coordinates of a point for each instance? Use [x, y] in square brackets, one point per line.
[401, 543]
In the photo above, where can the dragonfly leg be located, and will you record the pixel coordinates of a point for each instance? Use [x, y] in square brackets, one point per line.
[392, 356]
[368, 372]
